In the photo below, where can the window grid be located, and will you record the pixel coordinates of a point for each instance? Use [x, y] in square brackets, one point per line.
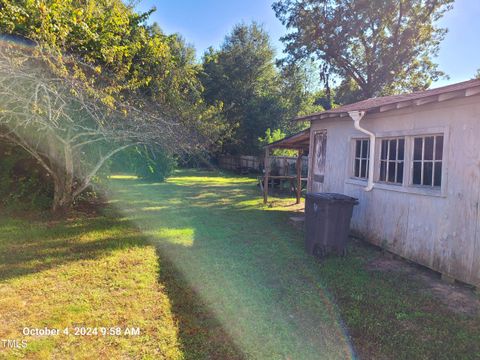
[417, 158]
[432, 178]
[397, 162]
[362, 158]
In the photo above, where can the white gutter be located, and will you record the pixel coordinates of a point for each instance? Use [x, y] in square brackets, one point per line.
[356, 117]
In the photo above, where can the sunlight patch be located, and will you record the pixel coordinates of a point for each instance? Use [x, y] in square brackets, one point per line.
[153, 208]
[123, 177]
[184, 237]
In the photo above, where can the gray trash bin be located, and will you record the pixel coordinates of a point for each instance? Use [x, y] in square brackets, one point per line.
[327, 222]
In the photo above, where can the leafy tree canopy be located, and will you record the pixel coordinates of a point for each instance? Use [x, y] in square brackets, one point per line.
[121, 53]
[95, 79]
[273, 136]
[374, 47]
[255, 94]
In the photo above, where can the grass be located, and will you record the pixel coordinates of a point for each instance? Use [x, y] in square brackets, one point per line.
[207, 272]
[247, 264]
[92, 272]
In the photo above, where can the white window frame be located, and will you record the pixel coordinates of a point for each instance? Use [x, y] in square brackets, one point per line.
[354, 157]
[407, 186]
[422, 161]
[396, 161]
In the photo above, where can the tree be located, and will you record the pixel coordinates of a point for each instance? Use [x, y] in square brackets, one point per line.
[379, 47]
[241, 75]
[298, 96]
[273, 136]
[96, 66]
[254, 92]
[147, 163]
[111, 39]
[68, 132]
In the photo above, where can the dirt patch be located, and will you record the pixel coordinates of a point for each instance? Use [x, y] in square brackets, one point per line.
[457, 297]
[385, 264]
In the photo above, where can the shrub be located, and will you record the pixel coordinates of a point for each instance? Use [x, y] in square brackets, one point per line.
[23, 182]
[149, 165]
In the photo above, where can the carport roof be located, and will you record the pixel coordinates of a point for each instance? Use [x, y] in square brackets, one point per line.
[298, 141]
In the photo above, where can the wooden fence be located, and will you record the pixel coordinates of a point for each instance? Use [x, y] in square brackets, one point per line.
[279, 165]
[241, 163]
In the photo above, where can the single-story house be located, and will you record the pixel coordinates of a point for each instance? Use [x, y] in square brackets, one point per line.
[413, 161]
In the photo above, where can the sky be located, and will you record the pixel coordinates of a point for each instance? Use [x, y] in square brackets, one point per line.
[205, 23]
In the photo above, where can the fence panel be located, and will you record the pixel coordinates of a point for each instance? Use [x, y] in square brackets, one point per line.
[279, 165]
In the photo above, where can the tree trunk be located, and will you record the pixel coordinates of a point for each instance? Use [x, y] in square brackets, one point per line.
[63, 184]
[62, 197]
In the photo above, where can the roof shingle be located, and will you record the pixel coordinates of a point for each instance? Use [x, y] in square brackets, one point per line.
[375, 103]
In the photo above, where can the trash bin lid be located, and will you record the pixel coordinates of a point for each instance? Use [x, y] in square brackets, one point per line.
[334, 197]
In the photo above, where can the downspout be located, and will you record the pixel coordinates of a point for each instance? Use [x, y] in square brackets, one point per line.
[356, 117]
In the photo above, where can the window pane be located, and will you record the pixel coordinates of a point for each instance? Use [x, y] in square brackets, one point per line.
[401, 149]
[391, 172]
[384, 149]
[428, 155]
[383, 169]
[357, 168]
[417, 149]
[358, 144]
[437, 180]
[400, 173]
[365, 149]
[363, 172]
[393, 150]
[439, 148]
[427, 173]
[417, 173]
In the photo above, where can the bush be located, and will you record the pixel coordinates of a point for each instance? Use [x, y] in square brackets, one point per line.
[273, 136]
[149, 165]
[155, 168]
[23, 182]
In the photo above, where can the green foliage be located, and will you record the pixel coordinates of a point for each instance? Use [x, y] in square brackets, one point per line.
[156, 167]
[148, 165]
[122, 57]
[23, 182]
[254, 93]
[121, 52]
[241, 75]
[120, 66]
[348, 92]
[273, 136]
[383, 47]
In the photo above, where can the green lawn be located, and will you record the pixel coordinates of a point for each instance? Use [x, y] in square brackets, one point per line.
[207, 272]
[91, 272]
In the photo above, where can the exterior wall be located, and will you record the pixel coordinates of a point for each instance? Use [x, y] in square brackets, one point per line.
[438, 229]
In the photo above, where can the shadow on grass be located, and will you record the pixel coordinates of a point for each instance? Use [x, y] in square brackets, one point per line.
[249, 265]
[28, 247]
[244, 262]
[201, 334]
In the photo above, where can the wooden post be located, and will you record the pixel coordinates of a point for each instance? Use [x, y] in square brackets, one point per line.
[267, 173]
[299, 175]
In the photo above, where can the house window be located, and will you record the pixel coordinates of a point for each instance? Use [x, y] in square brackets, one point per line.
[392, 158]
[361, 162]
[427, 160]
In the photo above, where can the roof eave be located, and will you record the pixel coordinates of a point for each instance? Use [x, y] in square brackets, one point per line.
[396, 105]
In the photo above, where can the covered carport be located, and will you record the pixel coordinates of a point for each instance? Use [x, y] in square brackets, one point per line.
[299, 142]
